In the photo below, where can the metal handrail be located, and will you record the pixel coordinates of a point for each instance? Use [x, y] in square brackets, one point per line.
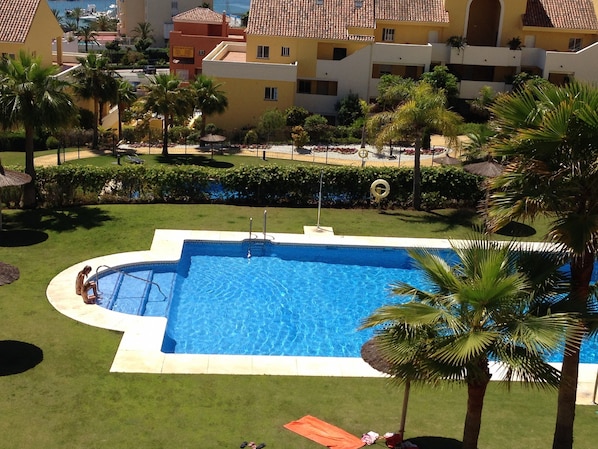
[126, 274]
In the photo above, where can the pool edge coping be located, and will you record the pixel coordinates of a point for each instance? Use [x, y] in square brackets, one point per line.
[140, 348]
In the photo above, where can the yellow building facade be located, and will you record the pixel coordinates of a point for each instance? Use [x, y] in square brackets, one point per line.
[326, 49]
[31, 26]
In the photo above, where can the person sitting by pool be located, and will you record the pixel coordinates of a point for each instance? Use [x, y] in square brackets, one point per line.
[82, 286]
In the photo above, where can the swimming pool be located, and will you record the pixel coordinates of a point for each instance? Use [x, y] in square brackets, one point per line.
[287, 300]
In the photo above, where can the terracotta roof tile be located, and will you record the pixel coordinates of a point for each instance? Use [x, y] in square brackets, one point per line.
[16, 17]
[412, 10]
[306, 18]
[566, 14]
[204, 15]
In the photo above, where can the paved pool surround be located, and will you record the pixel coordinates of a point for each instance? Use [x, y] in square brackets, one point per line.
[140, 348]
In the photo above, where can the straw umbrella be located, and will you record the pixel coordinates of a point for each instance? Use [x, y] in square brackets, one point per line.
[487, 169]
[11, 178]
[372, 356]
[446, 160]
[8, 273]
[212, 139]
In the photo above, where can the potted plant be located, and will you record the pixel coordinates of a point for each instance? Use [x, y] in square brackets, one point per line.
[514, 43]
[458, 42]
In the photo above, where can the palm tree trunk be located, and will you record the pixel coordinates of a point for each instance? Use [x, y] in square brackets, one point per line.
[581, 275]
[165, 137]
[96, 120]
[417, 176]
[120, 123]
[28, 199]
[404, 409]
[473, 419]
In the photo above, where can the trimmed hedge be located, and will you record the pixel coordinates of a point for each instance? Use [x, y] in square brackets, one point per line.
[298, 185]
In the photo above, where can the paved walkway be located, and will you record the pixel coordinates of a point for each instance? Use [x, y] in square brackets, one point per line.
[398, 158]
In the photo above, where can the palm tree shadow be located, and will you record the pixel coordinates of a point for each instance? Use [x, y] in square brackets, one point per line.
[449, 220]
[40, 220]
[194, 159]
[17, 357]
[515, 229]
[429, 442]
[12, 238]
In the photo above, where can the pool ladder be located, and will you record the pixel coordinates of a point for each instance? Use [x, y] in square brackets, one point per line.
[109, 268]
[251, 233]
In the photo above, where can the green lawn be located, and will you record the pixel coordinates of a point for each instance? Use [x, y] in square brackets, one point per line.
[70, 400]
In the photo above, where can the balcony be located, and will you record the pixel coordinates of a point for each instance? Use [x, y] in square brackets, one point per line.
[485, 56]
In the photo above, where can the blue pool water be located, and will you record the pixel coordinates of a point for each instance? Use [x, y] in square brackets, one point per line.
[292, 300]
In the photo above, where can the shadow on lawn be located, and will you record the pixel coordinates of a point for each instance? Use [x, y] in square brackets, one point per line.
[428, 442]
[10, 238]
[194, 159]
[57, 220]
[450, 219]
[17, 357]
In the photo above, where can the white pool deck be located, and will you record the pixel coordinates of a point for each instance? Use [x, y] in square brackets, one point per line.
[140, 348]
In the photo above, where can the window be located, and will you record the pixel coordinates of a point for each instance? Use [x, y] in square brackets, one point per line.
[388, 34]
[285, 51]
[263, 51]
[304, 87]
[271, 93]
[339, 53]
[575, 44]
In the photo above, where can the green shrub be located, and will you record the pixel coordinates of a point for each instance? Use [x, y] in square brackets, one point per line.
[52, 143]
[295, 185]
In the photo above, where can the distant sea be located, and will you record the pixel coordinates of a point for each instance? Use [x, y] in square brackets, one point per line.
[237, 7]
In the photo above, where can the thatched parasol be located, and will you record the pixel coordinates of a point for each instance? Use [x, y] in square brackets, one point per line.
[212, 139]
[371, 355]
[447, 160]
[8, 273]
[489, 169]
[11, 178]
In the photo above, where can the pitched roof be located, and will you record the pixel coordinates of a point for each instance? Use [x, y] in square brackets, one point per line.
[412, 11]
[306, 18]
[203, 15]
[565, 14]
[16, 17]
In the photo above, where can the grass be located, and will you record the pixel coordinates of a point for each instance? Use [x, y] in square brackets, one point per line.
[193, 157]
[69, 399]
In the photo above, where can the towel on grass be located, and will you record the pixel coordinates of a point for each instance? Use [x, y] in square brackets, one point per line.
[324, 433]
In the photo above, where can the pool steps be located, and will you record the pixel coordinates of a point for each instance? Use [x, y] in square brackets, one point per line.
[126, 288]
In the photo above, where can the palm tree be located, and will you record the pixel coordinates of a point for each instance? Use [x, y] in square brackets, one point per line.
[76, 14]
[167, 98]
[210, 99]
[94, 81]
[424, 112]
[475, 310]
[144, 36]
[126, 97]
[87, 35]
[31, 96]
[550, 133]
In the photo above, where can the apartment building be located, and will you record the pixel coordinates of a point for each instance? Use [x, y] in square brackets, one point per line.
[158, 13]
[311, 53]
[29, 25]
[196, 33]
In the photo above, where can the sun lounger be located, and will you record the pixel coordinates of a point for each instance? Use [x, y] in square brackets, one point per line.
[134, 159]
[324, 433]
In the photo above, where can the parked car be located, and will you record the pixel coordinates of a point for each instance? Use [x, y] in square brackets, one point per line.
[149, 69]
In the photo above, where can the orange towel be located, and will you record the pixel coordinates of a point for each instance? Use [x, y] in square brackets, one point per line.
[324, 433]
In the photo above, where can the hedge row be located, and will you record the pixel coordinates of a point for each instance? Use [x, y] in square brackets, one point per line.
[342, 186]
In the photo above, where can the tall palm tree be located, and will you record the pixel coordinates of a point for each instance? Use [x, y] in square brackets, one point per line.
[210, 99]
[167, 98]
[475, 310]
[425, 111]
[31, 96]
[93, 80]
[126, 97]
[87, 34]
[144, 36]
[550, 133]
[76, 14]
